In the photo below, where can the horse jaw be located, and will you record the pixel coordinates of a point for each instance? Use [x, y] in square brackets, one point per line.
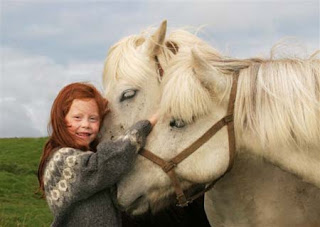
[136, 192]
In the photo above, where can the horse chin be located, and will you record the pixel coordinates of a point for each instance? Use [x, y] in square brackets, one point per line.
[138, 207]
[152, 204]
[142, 206]
[158, 200]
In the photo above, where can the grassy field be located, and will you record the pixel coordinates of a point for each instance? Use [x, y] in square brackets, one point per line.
[19, 205]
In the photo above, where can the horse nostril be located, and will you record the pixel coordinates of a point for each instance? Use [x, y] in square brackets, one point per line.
[178, 123]
[172, 123]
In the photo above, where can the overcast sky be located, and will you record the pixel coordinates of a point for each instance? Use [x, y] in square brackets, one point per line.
[47, 44]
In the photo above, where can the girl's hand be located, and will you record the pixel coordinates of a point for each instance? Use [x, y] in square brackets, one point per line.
[154, 118]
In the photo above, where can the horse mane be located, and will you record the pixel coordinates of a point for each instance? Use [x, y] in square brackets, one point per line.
[278, 99]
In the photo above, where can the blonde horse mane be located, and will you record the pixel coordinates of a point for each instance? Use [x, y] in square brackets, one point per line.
[277, 99]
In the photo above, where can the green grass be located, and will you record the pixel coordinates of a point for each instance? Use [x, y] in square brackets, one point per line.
[19, 205]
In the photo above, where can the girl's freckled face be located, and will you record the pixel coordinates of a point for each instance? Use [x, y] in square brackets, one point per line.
[83, 121]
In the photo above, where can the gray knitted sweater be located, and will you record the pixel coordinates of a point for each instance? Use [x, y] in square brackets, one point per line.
[77, 183]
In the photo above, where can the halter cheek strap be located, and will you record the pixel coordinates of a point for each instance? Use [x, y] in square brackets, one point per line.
[159, 67]
[169, 166]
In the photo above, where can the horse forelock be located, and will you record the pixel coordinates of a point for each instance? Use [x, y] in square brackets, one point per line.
[126, 60]
[183, 96]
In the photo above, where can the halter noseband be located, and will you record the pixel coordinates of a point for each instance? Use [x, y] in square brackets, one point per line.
[169, 166]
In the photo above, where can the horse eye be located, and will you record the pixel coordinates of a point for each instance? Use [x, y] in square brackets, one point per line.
[128, 94]
[178, 123]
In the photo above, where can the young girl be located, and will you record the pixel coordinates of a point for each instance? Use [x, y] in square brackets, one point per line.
[75, 172]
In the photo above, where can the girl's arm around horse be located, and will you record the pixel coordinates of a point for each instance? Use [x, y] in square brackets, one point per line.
[73, 176]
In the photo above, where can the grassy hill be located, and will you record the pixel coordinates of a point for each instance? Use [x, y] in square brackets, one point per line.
[19, 205]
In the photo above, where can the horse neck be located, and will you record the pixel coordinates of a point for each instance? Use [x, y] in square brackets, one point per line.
[300, 160]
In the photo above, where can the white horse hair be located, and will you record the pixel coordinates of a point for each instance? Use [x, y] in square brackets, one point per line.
[276, 116]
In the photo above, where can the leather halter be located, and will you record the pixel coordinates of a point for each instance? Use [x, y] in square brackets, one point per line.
[169, 166]
[160, 69]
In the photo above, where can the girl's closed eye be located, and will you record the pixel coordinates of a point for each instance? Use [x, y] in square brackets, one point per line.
[77, 117]
[94, 119]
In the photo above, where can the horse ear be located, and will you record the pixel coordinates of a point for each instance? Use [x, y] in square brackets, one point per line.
[157, 39]
[209, 76]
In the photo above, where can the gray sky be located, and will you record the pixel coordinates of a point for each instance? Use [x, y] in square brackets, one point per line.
[47, 44]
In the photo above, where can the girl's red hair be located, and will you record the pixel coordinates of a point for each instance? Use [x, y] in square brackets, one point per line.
[60, 137]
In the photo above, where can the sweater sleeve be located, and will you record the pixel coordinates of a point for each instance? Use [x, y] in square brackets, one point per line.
[72, 175]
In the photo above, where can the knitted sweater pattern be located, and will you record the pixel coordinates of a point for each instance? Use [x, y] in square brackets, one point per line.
[77, 183]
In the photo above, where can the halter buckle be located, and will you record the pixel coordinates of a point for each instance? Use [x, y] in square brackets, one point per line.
[182, 201]
[228, 118]
[169, 166]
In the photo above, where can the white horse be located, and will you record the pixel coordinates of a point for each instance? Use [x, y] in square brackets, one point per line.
[275, 178]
